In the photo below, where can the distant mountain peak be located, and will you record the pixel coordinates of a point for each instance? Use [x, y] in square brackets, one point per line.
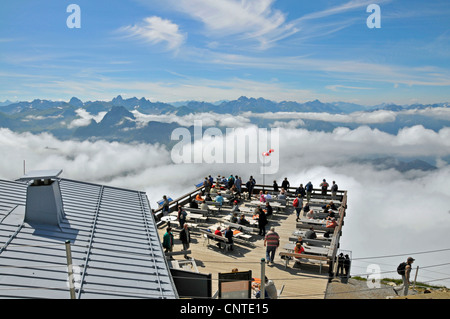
[76, 102]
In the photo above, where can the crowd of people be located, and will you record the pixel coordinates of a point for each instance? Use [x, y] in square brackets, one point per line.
[232, 188]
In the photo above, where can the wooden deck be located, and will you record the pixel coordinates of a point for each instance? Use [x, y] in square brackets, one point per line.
[304, 282]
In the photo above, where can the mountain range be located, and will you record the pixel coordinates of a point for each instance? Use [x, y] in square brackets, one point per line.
[117, 120]
[234, 107]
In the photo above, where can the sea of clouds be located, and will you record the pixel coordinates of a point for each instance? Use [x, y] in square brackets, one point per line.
[389, 212]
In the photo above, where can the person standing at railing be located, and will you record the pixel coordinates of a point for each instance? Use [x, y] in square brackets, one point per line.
[309, 189]
[165, 206]
[238, 184]
[250, 186]
[324, 185]
[334, 189]
[275, 187]
[285, 184]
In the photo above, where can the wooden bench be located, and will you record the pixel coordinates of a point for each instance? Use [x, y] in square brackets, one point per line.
[215, 204]
[316, 227]
[244, 242]
[298, 258]
[312, 242]
[216, 238]
[198, 218]
[322, 215]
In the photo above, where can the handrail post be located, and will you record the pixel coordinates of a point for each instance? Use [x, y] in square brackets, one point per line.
[263, 279]
[70, 269]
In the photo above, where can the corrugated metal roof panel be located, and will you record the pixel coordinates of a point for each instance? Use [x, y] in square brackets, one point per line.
[116, 250]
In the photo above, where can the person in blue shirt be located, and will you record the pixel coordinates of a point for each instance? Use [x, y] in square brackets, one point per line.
[219, 199]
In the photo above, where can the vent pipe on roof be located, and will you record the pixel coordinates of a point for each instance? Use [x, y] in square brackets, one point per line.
[44, 203]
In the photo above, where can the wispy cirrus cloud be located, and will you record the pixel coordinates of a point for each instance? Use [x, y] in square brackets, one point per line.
[156, 30]
[243, 20]
[337, 87]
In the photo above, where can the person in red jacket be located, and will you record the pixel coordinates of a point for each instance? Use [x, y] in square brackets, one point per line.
[331, 222]
[218, 231]
[298, 205]
[299, 249]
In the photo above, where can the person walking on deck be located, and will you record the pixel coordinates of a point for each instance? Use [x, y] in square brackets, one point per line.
[271, 242]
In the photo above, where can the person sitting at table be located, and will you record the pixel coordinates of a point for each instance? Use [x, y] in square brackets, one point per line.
[219, 199]
[204, 206]
[331, 222]
[310, 234]
[213, 190]
[235, 208]
[332, 206]
[306, 207]
[268, 196]
[218, 232]
[243, 221]
[270, 291]
[235, 198]
[299, 240]
[299, 249]
[199, 197]
[208, 198]
[310, 214]
[193, 204]
[282, 194]
[234, 218]
[262, 198]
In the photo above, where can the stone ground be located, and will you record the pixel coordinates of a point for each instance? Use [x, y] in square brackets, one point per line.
[358, 289]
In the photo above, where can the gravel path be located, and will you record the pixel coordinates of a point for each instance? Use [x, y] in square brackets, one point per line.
[357, 289]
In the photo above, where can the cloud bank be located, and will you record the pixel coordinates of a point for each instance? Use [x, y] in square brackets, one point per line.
[389, 212]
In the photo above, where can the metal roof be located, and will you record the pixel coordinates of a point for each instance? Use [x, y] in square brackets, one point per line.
[115, 246]
[42, 174]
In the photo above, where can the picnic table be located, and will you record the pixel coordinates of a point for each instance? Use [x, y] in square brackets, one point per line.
[275, 205]
[197, 217]
[168, 219]
[302, 233]
[318, 222]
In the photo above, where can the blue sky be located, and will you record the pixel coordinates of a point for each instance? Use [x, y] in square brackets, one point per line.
[211, 50]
